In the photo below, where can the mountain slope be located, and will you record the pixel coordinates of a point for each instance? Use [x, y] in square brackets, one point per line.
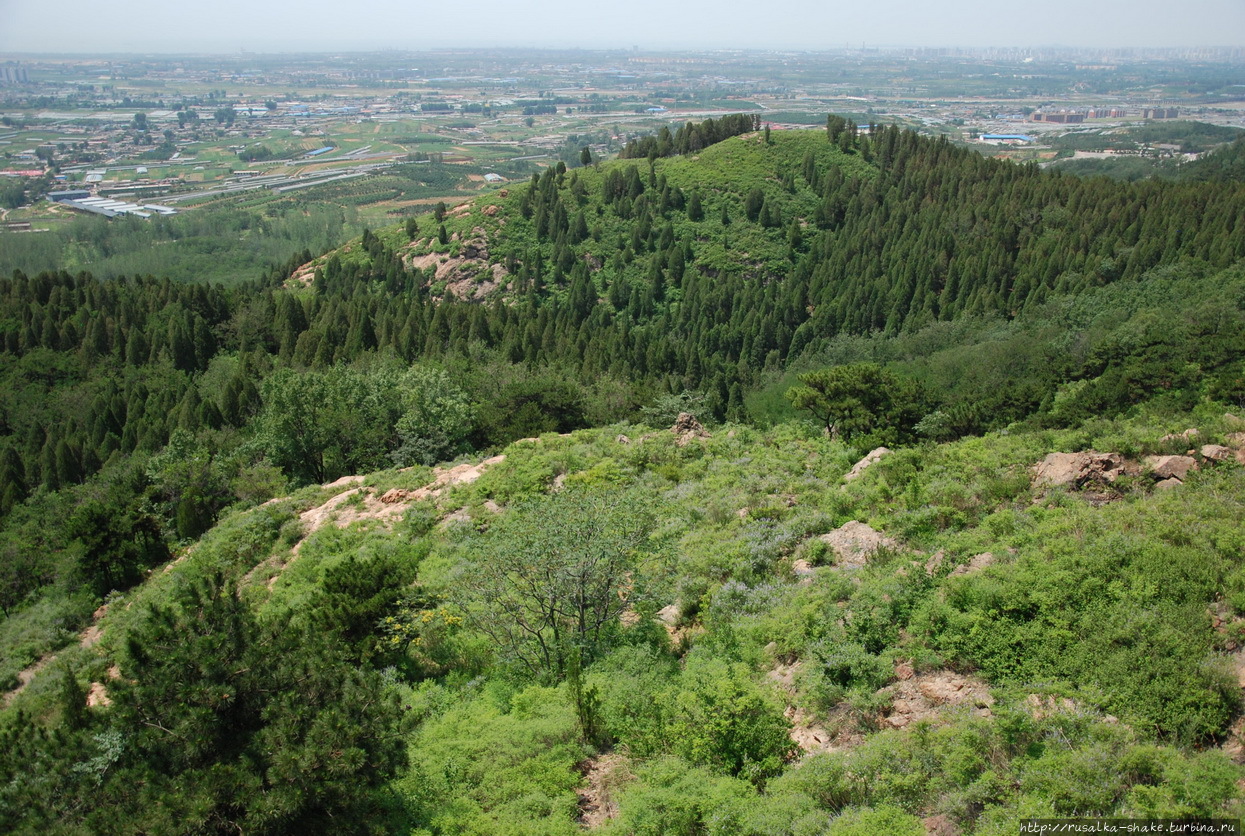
[1010, 648]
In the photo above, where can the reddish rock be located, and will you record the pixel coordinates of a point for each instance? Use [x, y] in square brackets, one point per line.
[1078, 469]
[1216, 452]
[1171, 467]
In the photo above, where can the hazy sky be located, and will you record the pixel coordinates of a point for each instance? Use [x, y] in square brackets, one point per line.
[317, 25]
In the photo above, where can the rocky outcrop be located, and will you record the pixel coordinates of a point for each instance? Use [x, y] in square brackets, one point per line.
[1077, 470]
[1089, 468]
[394, 495]
[468, 275]
[1216, 452]
[926, 696]
[1237, 443]
[362, 503]
[1170, 467]
[974, 565]
[940, 825]
[853, 543]
[687, 429]
[803, 570]
[810, 732]
[874, 455]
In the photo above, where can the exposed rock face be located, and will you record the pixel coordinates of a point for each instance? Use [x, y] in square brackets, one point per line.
[604, 776]
[940, 825]
[1216, 452]
[389, 507]
[1079, 469]
[978, 562]
[1171, 467]
[1237, 442]
[1234, 746]
[687, 428]
[668, 617]
[925, 696]
[860, 466]
[343, 482]
[854, 543]
[809, 732]
[98, 695]
[468, 275]
[803, 570]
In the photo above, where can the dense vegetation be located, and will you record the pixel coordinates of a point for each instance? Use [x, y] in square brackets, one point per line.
[455, 667]
[1139, 161]
[220, 245]
[233, 237]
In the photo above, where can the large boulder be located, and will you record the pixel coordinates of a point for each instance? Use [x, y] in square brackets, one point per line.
[1216, 452]
[1076, 470]
[1170, 467]
[853, 543]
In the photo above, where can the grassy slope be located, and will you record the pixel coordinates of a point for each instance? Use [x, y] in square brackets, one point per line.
[1107, 606]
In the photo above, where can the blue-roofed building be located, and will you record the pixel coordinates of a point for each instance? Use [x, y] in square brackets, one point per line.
[1007, 139]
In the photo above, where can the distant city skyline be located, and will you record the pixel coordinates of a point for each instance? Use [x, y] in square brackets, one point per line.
[228, 26]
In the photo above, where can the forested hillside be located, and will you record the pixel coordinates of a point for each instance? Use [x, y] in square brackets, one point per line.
[614, 625]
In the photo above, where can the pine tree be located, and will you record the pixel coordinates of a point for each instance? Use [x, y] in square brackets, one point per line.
[754, 203]
[695, 212]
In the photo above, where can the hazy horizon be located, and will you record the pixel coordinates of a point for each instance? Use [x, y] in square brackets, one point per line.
[144, 26]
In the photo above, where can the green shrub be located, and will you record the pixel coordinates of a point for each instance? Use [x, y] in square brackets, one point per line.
[722, 719]
[862, 821]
